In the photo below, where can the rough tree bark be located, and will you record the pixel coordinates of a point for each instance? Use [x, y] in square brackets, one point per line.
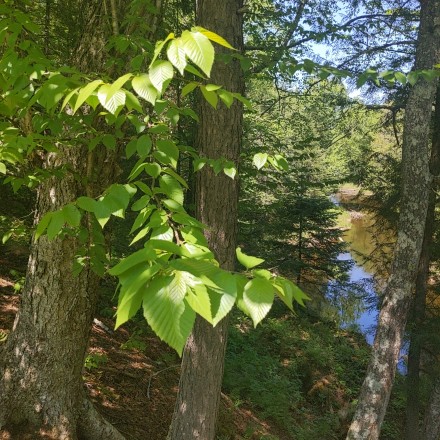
[431, 429]
[377, 385]
[219, 135]
[41, 388]
[412, 424]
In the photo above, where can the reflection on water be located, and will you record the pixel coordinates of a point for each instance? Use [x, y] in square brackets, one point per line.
[362, 238]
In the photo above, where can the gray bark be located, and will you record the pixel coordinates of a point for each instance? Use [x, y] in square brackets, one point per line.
[219, 135]
[432, 419]
[377, 385]
[412, 425]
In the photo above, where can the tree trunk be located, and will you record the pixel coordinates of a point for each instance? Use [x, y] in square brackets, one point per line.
[219, 135]
[412, 428]
[432, 419]
[377, 385]
[41, 389]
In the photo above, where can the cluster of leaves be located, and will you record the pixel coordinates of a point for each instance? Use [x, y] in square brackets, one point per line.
[174, 275]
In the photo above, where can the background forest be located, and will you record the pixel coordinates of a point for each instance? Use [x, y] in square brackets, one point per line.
[163, 161]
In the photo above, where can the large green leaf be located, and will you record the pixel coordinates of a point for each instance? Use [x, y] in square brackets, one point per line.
[176, 54]
[199, 300]
[167, 311]
[167, 152]
[141, 256]
[109, 99]
[171, 187]
[212, 36]
[199, 50]
[144, 88]
[71, 215]
[85, 92]
[258, 296]
[246, 260]
[260, 160]
[161, 72]
[210, 96]
[132, 291]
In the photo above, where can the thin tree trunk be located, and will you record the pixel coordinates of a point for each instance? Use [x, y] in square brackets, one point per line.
[219, 135]
[412, 425]
[431, 429]
[377, 385]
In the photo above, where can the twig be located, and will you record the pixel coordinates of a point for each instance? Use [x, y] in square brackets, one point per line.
[155, 374]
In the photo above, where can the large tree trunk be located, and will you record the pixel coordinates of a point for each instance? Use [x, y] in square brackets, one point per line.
[377, 385]
[41, 388]
[219, 135]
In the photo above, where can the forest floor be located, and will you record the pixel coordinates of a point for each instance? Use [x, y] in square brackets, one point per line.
[132, 378]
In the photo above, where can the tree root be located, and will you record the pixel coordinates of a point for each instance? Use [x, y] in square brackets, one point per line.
[93, 426]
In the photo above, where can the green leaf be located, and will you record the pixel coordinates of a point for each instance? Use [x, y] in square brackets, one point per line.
[176, 54]
[142, 256]
[141, 218]
[199, 50]
[141, 203]
[109, 141]
[247, 261]
[194, 71]
[167, 152]
[165, 245]
[223, 296]
[199, 300]
[213, 37]
[226, 97]
[229, 169]
[2, 168]
[163, 233]
[131, 148]
[212, 87]
[258, 296]
[198, 268]
[171, 187]
[43, 224]
[401, 77]
[262, 273]
[133, 290]
[116, 86]
[143, 146]
[84, 93]
[413, 77]
[242, 99]
[260, 160]
[167, 312]
[153, 169]
[172, 173]
[111, 101]
[189, 88]
[144, 88]
[161, 72]
[55, 225]
[160, 45]
[132, 102]
[211, 97]
[71, 215]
